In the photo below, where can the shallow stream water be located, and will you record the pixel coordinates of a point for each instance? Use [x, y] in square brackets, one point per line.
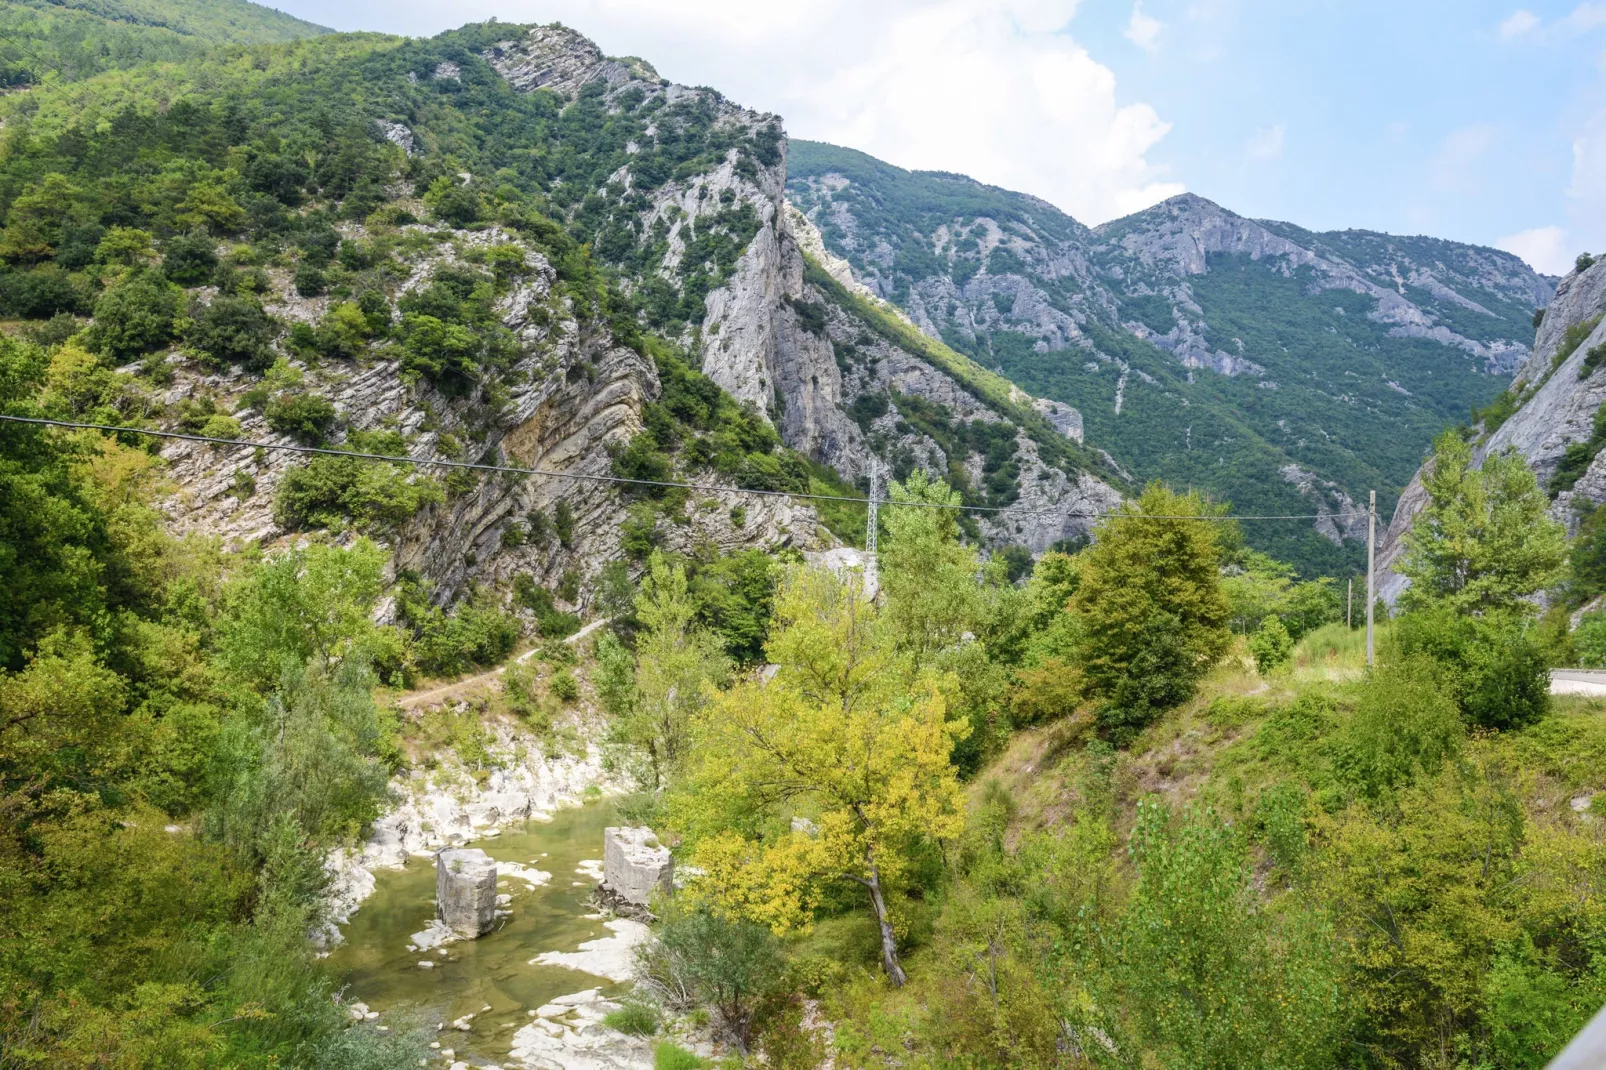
[494, 970]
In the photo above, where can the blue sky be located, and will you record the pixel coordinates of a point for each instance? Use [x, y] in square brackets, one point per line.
[1465, 119]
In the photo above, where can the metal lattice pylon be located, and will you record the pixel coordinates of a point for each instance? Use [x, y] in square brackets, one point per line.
[875, 500]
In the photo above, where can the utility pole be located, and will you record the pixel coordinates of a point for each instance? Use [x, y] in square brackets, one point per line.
[1349, 604]
[870, 522]
[1371, 573]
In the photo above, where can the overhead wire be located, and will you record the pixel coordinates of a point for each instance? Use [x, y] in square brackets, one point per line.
[704, 488]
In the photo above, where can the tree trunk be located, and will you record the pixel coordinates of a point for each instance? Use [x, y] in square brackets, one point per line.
[889, 943]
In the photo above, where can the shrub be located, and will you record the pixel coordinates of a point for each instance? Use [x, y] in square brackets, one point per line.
[190, 259]
[633, 1018]
[553, 623]
[1271, 645]
[564, 686]
[479, 633]
[375, 496]
[135, 316]
[704, 957]
[563, 524]
[310, 281]
[44, 292]
[307, 418]
[1495, 670]
[1405, 723]
[1589, 641]
[1583, 263]
[233, 330]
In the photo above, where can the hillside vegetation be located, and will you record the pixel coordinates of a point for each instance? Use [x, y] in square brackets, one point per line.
[68, 41]
[1252, 373]
[1137, 803]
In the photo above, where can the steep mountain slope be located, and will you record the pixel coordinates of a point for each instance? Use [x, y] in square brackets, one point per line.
[74, 39]
[1278, 368]
[1551, 415]
[240, 234]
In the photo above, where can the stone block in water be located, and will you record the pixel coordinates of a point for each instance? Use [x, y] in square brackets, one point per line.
[634, 863]
[465, 890]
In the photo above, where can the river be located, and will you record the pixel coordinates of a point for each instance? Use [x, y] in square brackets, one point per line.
[494, 970]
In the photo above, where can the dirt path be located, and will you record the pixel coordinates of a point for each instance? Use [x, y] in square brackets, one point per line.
[437, 696]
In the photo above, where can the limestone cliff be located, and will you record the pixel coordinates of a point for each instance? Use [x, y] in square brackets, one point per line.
[1558, 393]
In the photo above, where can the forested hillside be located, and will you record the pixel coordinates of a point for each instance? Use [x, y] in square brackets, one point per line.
[1062, 778]
[67, 40]
[1284, 370]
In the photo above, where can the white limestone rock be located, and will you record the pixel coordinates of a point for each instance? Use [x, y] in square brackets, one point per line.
[635, 864]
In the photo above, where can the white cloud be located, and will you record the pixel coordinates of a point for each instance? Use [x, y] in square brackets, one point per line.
[996, 89]
[1266, 143]
[1143, 30]
[1544, 248]
[1519, 23]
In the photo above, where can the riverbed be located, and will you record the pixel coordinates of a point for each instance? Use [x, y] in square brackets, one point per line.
[496, 970]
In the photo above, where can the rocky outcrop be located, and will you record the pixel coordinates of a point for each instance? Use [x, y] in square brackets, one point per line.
[465, 890]
[635, 865]
[1557, 408]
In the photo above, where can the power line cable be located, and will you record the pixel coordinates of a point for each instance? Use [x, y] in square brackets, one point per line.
[425, 462]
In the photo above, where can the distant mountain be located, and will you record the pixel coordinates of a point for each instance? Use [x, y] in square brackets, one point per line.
[1278, 368]
[75, 39]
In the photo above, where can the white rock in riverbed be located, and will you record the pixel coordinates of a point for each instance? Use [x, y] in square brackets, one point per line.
[465, 890]
[611, 957]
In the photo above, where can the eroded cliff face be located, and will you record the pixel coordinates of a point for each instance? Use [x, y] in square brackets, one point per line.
[573, 398]
[1558, 400]
[771, 339]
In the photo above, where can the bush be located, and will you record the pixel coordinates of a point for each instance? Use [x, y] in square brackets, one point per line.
[704, 957]
[1495, 669]
[564, 686]
[1406, 723]
[190, 259]
[373, 495]
[233, 330]
[633, 1019]
[1271, 645]
[44, 292]
[135, 316]
[307, 418]
[478, 634]
[310, 281]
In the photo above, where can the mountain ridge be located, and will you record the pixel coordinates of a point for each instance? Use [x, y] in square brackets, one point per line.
[1306, 373]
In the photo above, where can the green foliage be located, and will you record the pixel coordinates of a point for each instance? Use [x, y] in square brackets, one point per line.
[1271, 645]
[668, 1055]
[377, 497]
[633, 1019]
[553, 623]
[135, 315]
[1494, 667]
[727, 964]
[1483, 542]
[1198, 975]
[1155, 615]
[1578, 456]
[233, 330]
[307, 418]
[479, 633]
[1405, 724]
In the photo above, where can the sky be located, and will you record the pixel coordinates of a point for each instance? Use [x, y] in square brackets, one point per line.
[1477, 120]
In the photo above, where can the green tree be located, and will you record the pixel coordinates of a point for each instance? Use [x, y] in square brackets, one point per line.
[1271, 645]
[928, 576]
[1155, 617]
[678, 662]
[135, 315]
[841, 735]
[1484, 541]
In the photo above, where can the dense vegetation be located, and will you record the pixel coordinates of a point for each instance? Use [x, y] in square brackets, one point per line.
[70, 39]
[1352, 404]
[1136, 804]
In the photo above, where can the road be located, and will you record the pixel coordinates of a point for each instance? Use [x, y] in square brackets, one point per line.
[1578, 682]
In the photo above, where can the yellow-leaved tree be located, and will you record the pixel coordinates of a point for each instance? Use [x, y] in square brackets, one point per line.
[833, 769]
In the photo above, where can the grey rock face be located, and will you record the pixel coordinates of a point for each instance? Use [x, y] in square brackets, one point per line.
[1557, 410]
[465, 890]
[635, 864]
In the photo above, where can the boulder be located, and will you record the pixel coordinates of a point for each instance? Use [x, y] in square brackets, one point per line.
[465, 890]
[634, 863]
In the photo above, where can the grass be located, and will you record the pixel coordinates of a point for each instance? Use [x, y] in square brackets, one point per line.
[633, 1019]
[671, 1056]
